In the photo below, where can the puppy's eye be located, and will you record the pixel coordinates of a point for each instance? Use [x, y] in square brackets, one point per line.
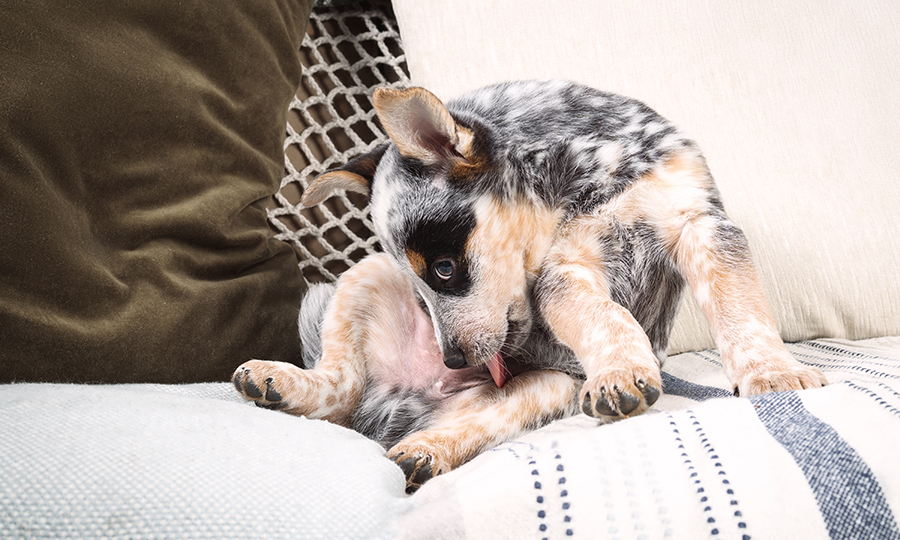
[443, 269]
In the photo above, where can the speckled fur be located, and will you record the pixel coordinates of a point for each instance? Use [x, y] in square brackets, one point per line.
[544, 223]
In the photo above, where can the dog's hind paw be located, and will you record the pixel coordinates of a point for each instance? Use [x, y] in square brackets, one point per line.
[263, 393]
[617, 394]
[419, 461]
[316, 394]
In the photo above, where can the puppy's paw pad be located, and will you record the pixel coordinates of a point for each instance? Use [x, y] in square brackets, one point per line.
[616, 396]
[272, 394]
[252, 382]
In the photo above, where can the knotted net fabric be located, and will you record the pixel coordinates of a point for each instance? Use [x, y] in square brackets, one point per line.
[349, 51]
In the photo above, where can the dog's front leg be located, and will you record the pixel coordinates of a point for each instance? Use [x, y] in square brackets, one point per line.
[333, 389]
[714, 256]
[482, 417]
[623, 373]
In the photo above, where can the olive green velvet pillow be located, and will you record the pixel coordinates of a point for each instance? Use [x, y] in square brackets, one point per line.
[139, 143]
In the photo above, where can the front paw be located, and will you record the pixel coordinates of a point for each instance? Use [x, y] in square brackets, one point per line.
[780, 376]
[258, 381]
[617, 393]
[420, 460]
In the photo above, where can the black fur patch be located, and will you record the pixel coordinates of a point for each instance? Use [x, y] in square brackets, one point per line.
[443, 236]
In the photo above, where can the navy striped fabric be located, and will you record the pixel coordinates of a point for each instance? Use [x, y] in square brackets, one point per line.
[851, 501]
[675, 386]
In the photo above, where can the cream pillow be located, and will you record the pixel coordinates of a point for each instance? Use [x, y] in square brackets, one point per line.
[794, 103]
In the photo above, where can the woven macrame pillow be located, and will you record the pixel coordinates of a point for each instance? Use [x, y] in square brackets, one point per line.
[351, 48]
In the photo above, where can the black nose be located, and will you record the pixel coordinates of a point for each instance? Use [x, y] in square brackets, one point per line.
[453, 358]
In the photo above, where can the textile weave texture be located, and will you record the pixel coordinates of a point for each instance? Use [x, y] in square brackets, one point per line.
[194, 461]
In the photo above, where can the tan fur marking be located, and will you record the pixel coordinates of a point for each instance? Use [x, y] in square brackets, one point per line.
[331, 400]
[464, 144]
[417, 261]
[516, 234]
[505, 250]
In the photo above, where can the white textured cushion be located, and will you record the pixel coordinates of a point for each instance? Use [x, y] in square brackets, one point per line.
[145, 461]
[794, 103]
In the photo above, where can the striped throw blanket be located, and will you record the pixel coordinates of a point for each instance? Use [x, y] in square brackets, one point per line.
[794, 465]
[195, 461]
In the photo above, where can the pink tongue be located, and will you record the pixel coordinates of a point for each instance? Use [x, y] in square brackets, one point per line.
[498, 370]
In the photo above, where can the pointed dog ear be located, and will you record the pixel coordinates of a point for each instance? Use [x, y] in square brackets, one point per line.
[421, 126]
[356, 176]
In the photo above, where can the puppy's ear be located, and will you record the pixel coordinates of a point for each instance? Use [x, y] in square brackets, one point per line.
[356, 176]
[421, 127]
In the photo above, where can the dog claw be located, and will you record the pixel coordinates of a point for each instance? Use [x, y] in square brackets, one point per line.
[417, 471]
[423, 474]
[605, 407]
[586, 404]
[611, 404]
[408, 466]
[270, 399]
[270, 406]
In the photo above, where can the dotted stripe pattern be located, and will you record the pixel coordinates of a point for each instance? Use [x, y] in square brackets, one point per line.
[544, 527]
[703, 488]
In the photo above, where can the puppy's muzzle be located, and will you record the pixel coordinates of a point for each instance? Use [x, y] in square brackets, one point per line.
[453, 355]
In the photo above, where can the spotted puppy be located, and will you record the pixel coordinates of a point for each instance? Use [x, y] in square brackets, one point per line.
[537, 237]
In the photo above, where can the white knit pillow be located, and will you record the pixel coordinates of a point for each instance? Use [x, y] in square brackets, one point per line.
[158, 461]
[794, 103]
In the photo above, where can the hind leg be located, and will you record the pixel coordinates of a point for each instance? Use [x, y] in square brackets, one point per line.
[363, 305]
[482, 417]
[713, 255]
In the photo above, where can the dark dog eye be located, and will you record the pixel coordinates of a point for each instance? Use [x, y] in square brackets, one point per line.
[447, 275]
[443, 269]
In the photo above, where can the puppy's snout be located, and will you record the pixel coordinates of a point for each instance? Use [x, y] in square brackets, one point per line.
[454, 358]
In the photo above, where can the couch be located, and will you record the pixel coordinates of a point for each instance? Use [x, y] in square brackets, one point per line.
[123, 314]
